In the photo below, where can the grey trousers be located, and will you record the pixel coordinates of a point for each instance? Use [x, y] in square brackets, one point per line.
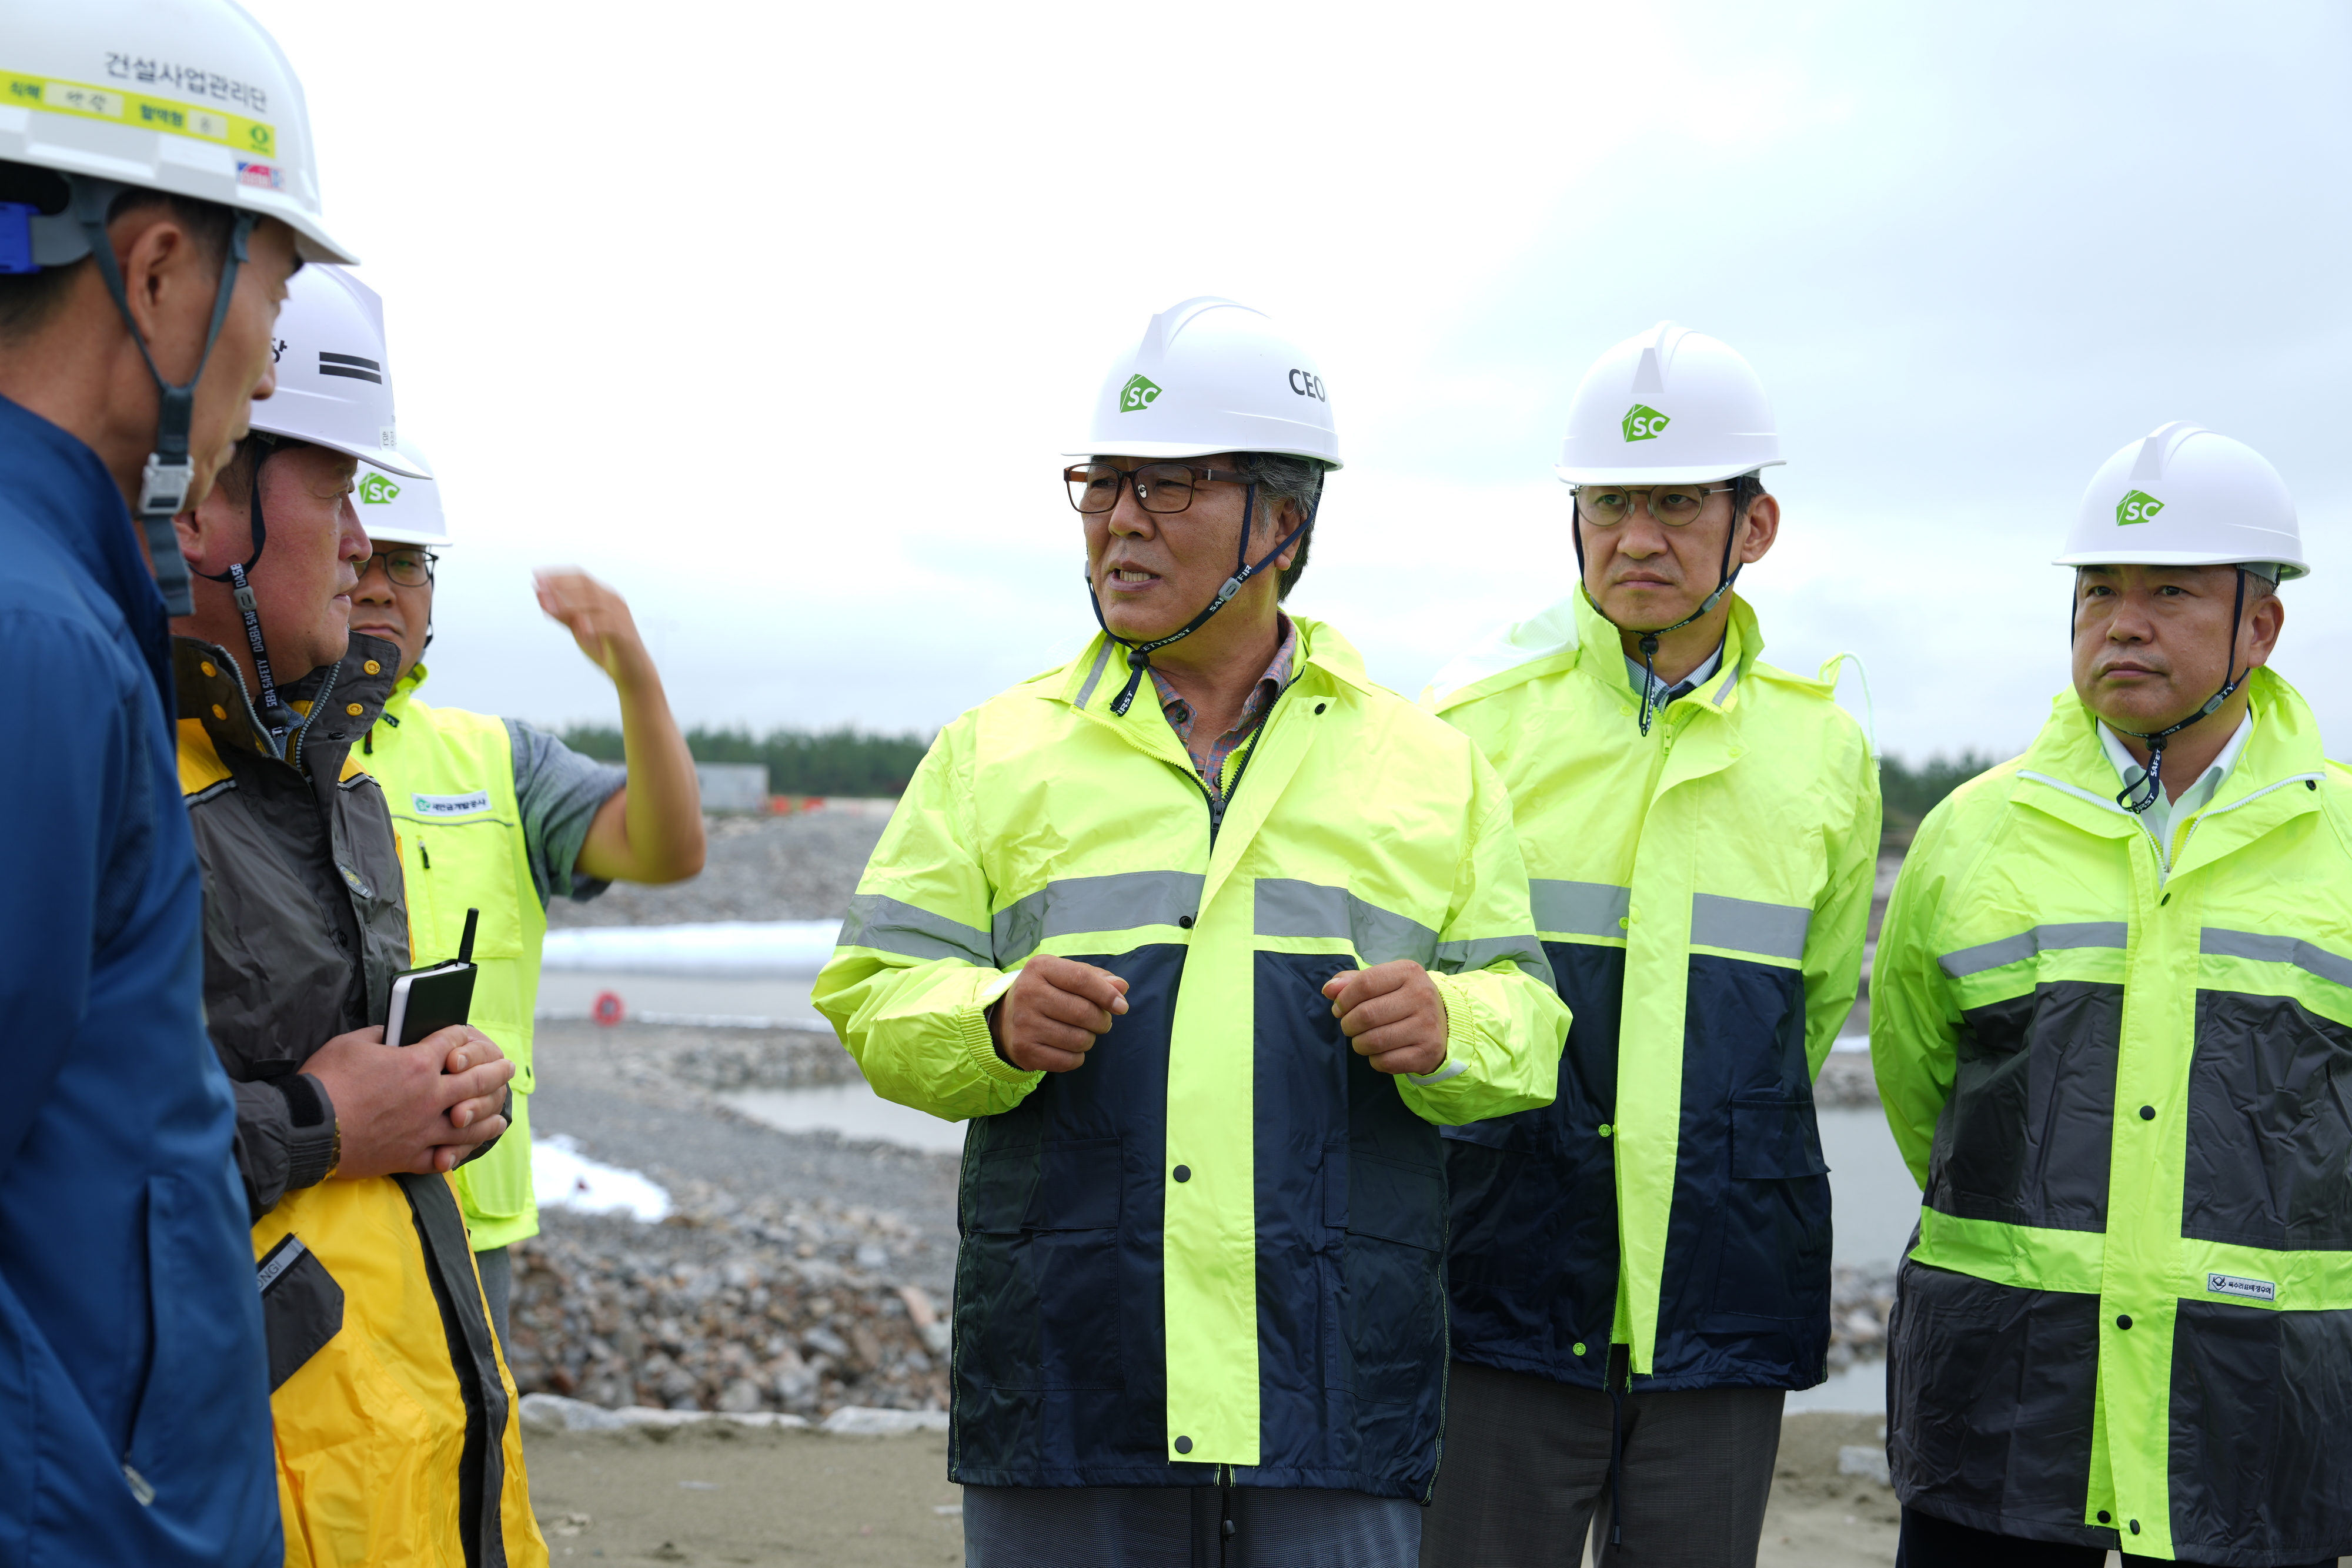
[1526, 1472]
[497, 1269]
[1184, 1527]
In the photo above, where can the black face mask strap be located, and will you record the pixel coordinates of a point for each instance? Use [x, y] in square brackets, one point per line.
[170, 472]
[1138, 655]
[2137, 797]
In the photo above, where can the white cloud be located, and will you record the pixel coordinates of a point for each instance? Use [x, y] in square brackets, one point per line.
[779, 317]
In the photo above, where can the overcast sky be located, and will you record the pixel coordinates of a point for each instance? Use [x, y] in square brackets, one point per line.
[779, 318]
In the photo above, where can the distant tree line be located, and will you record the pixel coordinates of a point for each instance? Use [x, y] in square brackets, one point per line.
[851, 762]
[1912, 792]
[800, 762]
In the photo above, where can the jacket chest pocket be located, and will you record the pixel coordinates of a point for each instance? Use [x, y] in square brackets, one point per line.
[451, 867]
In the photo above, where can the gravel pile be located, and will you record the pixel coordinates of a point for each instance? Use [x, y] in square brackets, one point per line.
[1860, 1302]
[758, 868]
[721, 1060]
[775, 1304]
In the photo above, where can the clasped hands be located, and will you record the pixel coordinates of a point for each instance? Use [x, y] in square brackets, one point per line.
[419, 1108]
[1392, 1014]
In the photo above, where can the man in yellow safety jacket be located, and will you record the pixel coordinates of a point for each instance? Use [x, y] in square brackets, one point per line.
[1641, 1270]
[396, 1437]
[2111, 1016]
[1203, 939]
[499, 816]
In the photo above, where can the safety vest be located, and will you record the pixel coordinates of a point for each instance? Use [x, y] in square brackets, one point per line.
[2122, 1072]
[1702, 893]
[449, 780]
[390, 1399]
[1216, 1247]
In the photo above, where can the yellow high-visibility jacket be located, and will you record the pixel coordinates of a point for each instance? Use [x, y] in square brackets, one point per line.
[393, 1411]
[1216, 1246]
[2122, 1071]
[1702, 893]
[448, 779]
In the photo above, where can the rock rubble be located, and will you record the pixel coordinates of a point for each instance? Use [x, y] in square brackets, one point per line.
[779, 1305]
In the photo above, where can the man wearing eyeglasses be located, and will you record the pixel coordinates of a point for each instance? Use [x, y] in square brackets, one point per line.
[1642, 1270]
[498, 816]
[1203, 934]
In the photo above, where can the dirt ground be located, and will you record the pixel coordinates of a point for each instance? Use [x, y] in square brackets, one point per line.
[719, 1493]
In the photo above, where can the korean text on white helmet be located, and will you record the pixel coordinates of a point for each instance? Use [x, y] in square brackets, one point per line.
[402, 508]
[192, 97]
[2183, 496]
[334, 376]
[1670, 405]
[1210, 376]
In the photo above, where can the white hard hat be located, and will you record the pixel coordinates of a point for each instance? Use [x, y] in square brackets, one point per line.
[1669, 406]
[192, 97]
[2183, 496]
[334, 379]
[402, 508]
[1212, 376]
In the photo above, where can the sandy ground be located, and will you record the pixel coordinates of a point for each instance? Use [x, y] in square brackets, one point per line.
[718, 1494]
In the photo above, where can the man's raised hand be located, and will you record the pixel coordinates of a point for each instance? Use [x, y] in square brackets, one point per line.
[1050, 1018]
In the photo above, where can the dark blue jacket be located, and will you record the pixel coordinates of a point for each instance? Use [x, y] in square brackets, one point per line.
[134, 1409]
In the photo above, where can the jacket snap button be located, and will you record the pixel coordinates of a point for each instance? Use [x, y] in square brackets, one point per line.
[1625, 923]
[1184, 1446]
[1183, 1173]
[2148, 1112]
[219, 712]
[2106, 1518]
[2135, 1525]
[2123, 1322]
[1606, 1129]
[372, 668]
[1320, 707]
[354, 709]
[1577, 1349]
[1185, 921]
[208, 668]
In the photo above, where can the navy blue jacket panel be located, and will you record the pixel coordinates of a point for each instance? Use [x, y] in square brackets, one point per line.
[134, 1387]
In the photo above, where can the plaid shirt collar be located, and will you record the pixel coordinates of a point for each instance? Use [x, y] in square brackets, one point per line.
[1211, 764]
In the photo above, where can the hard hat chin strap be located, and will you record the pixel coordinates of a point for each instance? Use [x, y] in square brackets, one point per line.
[2130, 798]
[276, 716]
[170, 473]
[1726, 572]
[1138, 655]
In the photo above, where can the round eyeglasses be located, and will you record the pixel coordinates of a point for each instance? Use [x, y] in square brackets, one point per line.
[408, 566]
[1675, 506]
[1159, 486]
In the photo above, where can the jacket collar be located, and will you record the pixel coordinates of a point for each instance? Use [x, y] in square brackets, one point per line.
[212, 695]
[2066, 773]
[1556, 639]
[396, 707]
[1091, 680]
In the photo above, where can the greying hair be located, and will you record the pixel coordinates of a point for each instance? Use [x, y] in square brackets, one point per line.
[1281, 478]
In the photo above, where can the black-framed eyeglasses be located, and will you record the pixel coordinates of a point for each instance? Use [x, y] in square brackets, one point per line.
[1159, 486]
[1675, 506]
[408, 566]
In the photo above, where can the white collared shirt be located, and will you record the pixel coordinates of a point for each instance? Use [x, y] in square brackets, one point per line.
[2160, 817]
[1661, 694]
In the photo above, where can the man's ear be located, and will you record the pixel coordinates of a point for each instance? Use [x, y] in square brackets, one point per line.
[2263, 624]
[1761, 528]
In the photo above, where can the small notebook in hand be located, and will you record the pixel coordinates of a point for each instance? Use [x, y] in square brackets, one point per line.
[427, 1000]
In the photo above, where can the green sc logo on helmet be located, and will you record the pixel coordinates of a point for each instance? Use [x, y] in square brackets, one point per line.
[1642, 423]
[1136, 395]
[2136, 506]
[375, 490]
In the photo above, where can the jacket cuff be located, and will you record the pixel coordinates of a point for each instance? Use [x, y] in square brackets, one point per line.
[1461, 1036]
[979, 1047]
[313, 1136]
